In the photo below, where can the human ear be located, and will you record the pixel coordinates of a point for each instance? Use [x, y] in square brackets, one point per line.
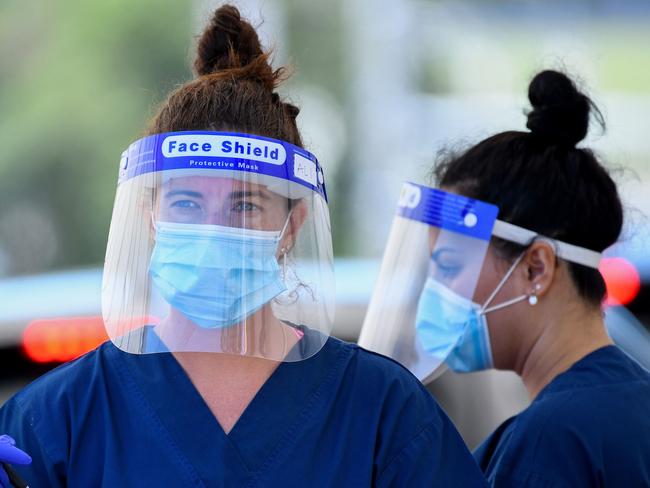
[297, 218]
[540, 265]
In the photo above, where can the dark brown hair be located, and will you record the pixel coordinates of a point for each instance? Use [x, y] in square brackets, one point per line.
[234, 88]
[541, 181]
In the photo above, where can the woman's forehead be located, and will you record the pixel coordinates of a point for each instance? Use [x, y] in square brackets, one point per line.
[215, 186]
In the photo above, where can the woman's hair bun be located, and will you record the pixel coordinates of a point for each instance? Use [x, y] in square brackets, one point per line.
[230, 43]
[560, 112]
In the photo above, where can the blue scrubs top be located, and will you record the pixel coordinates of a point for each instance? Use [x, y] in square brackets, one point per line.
[589, 427]
[345, 417]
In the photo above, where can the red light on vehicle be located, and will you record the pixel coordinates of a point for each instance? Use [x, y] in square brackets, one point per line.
[62, 339]
[622, 280]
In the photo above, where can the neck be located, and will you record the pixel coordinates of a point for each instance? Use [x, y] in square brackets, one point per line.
[227, 383]
[565, 338]
[225, 367]
[261, 335]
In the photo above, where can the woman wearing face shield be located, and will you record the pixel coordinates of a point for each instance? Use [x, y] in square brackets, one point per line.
[522, 292]
[218, 300]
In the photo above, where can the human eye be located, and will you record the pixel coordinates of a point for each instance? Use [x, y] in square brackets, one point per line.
[446, 265]
[245, 206]
[185, 204]
[183, 210]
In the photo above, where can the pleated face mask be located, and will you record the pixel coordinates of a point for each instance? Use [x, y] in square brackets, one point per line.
[215, 275]
[453, 328]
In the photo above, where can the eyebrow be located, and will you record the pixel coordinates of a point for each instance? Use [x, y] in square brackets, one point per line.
[244, 194]
[187, 193]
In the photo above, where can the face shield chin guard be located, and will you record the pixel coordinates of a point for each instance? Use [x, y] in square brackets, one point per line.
[422, 312]
[219, 242]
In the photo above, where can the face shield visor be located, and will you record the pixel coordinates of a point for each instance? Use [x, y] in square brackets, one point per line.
[422, 312]
[438, 241]
[219, 242]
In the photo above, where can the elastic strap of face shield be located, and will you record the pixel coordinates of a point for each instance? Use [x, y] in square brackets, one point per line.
[564, 250]
[525, 237]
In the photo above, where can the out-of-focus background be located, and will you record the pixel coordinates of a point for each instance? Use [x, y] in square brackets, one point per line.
[383, 86]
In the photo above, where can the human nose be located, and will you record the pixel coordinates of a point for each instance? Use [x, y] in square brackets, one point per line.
[217, 217]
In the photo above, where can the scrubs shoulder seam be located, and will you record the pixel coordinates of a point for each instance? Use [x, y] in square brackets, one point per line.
[397, 456]
[515, 474]
[153, 416]
[306, 412]
[540, 430]
[393, 361]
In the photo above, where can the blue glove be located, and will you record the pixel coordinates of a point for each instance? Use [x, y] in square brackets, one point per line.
[10, 454]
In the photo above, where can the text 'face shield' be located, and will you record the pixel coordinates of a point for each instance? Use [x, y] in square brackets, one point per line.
[219, 242]
[422, 304]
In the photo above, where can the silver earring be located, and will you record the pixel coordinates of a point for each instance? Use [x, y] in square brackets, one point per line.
[284, 252]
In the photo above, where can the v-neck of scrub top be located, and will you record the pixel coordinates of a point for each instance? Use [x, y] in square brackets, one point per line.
[278, 410]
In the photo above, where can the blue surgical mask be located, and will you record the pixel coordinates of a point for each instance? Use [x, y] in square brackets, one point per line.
[454, 329]
[215, 275]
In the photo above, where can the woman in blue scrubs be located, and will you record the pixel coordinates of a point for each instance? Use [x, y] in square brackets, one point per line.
[589, 421]
[217, 297]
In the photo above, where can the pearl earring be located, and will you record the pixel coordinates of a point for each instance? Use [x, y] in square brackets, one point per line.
[284, 252]
[532, 298]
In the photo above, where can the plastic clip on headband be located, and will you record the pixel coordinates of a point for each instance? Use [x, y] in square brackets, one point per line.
[564, 250]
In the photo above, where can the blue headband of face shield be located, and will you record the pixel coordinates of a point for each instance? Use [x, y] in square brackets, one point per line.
[226, 152]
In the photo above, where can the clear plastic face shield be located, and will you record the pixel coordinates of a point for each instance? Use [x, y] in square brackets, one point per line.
[422, 312]
[219, 242]
[437, 244]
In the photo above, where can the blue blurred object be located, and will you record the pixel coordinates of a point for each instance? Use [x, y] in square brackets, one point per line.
[77, 293]
[629, 334]
[70, 293]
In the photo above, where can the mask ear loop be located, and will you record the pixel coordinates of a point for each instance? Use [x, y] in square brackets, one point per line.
[532, 297]
[286, 224]
[485, 309]
[153, 220]
[284, 250]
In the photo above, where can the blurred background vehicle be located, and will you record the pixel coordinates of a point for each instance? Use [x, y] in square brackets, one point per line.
[383, 86]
